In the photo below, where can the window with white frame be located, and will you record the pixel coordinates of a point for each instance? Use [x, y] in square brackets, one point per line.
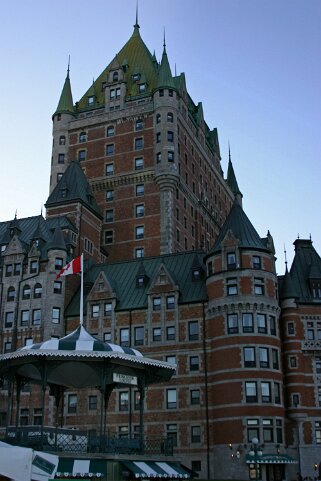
[171, 398]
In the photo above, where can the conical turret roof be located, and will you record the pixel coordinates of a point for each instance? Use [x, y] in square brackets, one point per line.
[165, 78]
[65, 105]
[57, 242]
[239, 224]
[73, 187]
[288, 290]
[231, 179]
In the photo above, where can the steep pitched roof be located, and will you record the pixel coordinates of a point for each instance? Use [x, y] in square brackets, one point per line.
[239, 224]
[133, 297]
[231, 179]
[136, 57]
[306, 266]
[73, 187]
[287, 290]
[65, 104]
[165, 78]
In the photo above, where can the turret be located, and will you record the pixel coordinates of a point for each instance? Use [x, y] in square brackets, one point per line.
[61, 118]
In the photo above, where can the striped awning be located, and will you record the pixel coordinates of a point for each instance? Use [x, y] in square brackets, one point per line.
[75, 468]
[80, 340]
[156, 469]
[271, 459]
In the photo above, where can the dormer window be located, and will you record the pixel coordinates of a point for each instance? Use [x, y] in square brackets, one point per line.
[316, 289]
[91, 100]
[115, 77]
[196, 274]
[142, 88]
[231, 260]
[136, 77]
[140, 281]
[63, 193]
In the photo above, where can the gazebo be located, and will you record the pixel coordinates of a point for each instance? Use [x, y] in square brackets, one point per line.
[79, 360]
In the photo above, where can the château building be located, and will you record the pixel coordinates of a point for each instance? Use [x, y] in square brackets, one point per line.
[174, 268]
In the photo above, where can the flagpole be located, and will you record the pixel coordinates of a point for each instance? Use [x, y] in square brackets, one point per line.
[82, 290]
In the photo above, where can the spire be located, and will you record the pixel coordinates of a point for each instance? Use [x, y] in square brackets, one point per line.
[57, 242]
[165, 78]
[231, 180]
[288, 288]
[66, 104]
[136, 26]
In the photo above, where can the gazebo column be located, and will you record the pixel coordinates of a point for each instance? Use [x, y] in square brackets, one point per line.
[57, 392]
[9, 403]
[18, 393]
[43, 387]
[108, 390]
[142, 390]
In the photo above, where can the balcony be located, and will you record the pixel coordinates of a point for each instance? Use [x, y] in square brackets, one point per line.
[69, 441]
[311, 345]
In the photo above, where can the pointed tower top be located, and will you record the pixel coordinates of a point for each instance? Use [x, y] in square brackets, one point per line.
[164, 42]
[65, 104]
[136, 26]
[68, 68]
[232, 182]
[165, 78]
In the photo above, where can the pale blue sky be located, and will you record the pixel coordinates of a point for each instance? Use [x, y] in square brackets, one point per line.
[255, 65]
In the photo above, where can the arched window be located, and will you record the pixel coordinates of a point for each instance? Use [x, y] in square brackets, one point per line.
[110, 131]
[82, 137]
[115, 76]
[62, 140]
[26, 292]
[11, 294]
[170, 117]
[37, 291]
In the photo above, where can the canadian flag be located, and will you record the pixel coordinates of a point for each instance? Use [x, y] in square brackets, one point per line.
[74, 267]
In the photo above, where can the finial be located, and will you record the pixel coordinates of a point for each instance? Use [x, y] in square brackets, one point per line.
[41, 209]
[229, 151]
[310, 237]
[298, 236]
[285, 259]
[175, 70]
[136, 20]
[15, 215]
[164, 44]
[68, 68]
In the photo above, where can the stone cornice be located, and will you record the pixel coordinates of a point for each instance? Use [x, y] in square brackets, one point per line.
[104, 183]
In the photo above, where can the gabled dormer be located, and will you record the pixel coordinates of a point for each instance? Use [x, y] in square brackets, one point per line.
[163, 281]
[103, 288]
[141, 277]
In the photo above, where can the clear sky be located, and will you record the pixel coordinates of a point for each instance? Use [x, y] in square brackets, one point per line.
[255, 65]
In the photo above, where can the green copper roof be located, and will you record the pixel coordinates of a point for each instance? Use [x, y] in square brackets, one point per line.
[138, 59]
[231, 179]
[239, 224]
[73, 187]
[165, 78]
[120, 274]
[306, 262]
[66, 105]
[287, 290]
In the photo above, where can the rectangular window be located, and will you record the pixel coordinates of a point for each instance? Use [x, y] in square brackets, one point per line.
[139, 143]
[9, 270]
[170, 333]
[231, 286]
[81, 155]
[17, 269]
[195, 396]
[277, 393]
[72, 404]
[170, 136]
[108, 307]
[170, 302]
[25, 317]
[139, 163]
[261, 323]
[36, 317]
[55, 315]
[275, 359]
[249, 357]
[267, 431]
[171, 399]
[124, 337]
[290, 328]
[256, 260]
[194, 363]
[58, 263]
[158, 137]
[33, 267]
[109, 195]
[258, 286]
[140, 210]
[139, 125]
[266, 392]
[247, 322]
[24, 417]
[193, 331]
[171, 433]
[139, 336]
[170, 156]
[139, 232]
[109, 169]
[57, 287]
[232, 324]
[7, 346]
[110, 149]
[123, 401]
[195, 434]
[157, 334]
[139, 252]
[231, 260]
[92, 403]
[318, 432]
[250, 392]
[140, 190]
[171, 359]
[109, 216]
[61, 158]
[95, 311]
[109, 237]
[37, 416]
[272, 325]
[264, 357]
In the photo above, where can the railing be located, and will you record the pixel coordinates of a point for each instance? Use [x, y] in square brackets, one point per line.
[76, 441]
[311, 345]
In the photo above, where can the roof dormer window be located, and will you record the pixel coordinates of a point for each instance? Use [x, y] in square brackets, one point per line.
[136, 77]
[142, 88]
[91, 100]
[115, 77]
